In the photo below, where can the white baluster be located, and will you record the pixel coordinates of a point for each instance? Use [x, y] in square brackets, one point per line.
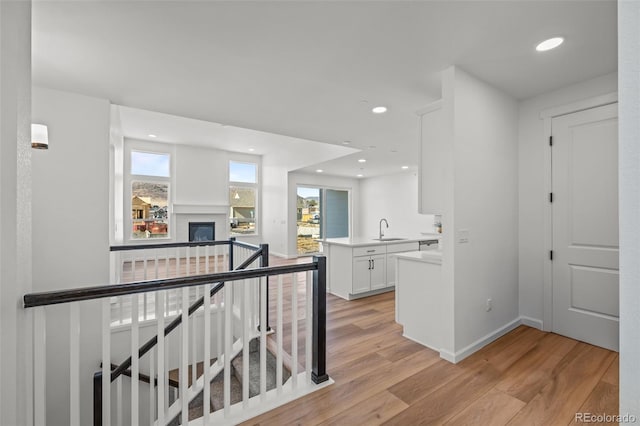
[262, 282]
[228, 297]
[40, 366]
[184, 359]
[135, 366]
[119, 399]
[74, 364]
[160, 296]
[244, 306]
[309, 326]
[216, 260]
[206, 260]
[280, 331]
[294, 331]
[197, 260]
[152, 410]
[188, 262]
[219, 320]
[206, 367]
[106, 361]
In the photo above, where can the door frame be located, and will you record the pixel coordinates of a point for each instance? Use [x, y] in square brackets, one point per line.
[548, 115]
[322, 208]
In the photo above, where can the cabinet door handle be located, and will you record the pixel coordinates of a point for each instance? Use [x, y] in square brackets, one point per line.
[371, 251]
[369, 264]
[373, 262]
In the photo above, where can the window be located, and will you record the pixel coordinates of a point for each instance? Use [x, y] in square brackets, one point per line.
[149, 195]
[243, 197]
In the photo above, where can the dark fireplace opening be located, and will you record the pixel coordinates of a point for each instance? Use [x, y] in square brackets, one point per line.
[202, 231]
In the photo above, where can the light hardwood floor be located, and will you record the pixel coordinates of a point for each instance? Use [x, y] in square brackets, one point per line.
[527, 377]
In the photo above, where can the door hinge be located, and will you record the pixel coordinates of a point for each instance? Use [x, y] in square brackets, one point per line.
[551, 197]
[550, 140]
[550, 254]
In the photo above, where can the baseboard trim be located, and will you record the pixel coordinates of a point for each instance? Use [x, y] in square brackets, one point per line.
[480, 343]
[484, 341]
[531, 322]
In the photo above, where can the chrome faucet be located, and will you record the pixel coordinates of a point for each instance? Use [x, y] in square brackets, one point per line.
[385, 221]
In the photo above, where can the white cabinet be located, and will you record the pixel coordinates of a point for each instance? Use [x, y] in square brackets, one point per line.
[362, 270]
[391, 262]
[369, 273]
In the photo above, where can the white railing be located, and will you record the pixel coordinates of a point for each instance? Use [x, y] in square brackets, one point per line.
[135, 263]
[162, 378]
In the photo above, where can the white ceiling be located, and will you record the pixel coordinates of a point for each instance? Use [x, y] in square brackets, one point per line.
[313, 70]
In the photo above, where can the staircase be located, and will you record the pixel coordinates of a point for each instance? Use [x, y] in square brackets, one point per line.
[237, 375]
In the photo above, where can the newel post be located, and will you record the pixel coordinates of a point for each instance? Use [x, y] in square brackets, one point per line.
[319, 342]
[264, 262]
[232, 240]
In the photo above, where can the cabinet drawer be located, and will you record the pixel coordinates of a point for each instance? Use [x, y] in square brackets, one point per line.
[369, 250]
[401, 247]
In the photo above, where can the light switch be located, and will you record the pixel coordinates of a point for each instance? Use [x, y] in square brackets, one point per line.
[463, 236]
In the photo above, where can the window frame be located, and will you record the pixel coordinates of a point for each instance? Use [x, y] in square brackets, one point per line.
[131, 147]
[256, 188]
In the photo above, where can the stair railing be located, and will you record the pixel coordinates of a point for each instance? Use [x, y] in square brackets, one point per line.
[234, 331]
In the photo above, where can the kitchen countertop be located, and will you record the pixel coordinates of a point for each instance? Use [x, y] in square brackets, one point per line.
[427, 256]
[370, 241]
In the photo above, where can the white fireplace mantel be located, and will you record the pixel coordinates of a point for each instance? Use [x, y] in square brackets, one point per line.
[201, 209]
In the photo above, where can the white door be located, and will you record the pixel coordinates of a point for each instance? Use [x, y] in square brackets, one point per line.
[585, 225]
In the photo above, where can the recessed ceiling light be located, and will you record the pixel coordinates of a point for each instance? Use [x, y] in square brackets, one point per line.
[346, 142]
[549, 44]
[152, 136]
[251, 149]
[319, 171]
[405, 167]
[362, 160]
[379, 109]
[359, 175]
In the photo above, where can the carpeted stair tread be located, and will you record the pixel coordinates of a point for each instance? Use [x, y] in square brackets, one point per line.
[217, 391]
[254, 371]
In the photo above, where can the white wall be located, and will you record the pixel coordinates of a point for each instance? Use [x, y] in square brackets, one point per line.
[532, 197]
[71, 231]
[318, 179]
[629, 154]
[15, 211]
[485, 204]
[395, 198]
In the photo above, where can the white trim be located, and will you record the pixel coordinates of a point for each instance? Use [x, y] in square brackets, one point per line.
[547, 115]
[484, 341]
[609, 98]
[433, 106]
[531, 322]
[238, 413]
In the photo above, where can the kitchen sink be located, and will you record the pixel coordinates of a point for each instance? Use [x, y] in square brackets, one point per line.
[389, 239]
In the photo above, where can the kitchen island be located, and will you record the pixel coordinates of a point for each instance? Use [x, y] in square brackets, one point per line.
[420, 298]
[360, 267]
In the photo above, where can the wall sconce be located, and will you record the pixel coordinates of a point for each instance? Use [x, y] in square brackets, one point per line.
[39, 136]
[237, 196]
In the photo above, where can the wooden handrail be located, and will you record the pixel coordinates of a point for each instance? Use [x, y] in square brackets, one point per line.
[98, 292]
[170, 245]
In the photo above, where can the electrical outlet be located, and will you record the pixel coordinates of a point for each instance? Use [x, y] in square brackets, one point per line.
[463, 236]
[489, 305]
